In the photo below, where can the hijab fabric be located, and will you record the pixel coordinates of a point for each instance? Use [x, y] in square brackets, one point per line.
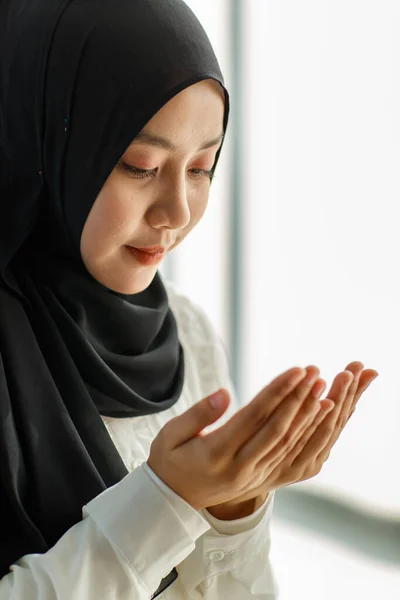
[78, 80]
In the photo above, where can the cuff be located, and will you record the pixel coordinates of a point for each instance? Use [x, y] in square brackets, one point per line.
[223, 549]
[143, 526]
[193, 519]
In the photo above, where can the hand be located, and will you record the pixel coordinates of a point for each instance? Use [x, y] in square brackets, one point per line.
[220, 466]
[322, 436]
[305, 459]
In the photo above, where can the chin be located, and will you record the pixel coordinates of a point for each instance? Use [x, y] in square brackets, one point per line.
[121, 276]
[132, 284]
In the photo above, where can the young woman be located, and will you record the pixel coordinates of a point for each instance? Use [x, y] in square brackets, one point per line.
[119, 478]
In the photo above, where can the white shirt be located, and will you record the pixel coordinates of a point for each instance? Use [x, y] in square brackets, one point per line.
[133, 534]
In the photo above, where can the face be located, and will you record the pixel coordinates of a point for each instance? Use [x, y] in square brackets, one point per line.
[157, 192]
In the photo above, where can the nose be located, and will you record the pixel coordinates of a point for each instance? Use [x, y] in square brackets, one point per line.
[170, 209]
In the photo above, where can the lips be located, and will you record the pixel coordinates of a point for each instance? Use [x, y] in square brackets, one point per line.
[152, 249]
[146, 258]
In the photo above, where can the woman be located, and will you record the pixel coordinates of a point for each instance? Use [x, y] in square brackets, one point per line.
[119, 479]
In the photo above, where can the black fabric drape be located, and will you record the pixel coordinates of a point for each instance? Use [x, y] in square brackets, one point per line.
[79, 79]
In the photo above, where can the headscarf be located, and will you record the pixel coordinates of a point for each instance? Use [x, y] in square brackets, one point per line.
[78, 80]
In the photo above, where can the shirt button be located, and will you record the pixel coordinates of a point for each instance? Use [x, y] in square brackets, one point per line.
[216, 555]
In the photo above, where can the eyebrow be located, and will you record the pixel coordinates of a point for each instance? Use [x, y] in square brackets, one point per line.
[147, 137]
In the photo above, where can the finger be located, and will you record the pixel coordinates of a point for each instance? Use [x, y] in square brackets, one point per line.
[246, 421]
[268, 436]
[338, 392]
[355, 370]
[366, 378]
[308, 410]
[324, 434]
[184, 427]
[355, 367]
[301, 449]
[318, 439]
[304, 418]
[348, 401]
[348, 405]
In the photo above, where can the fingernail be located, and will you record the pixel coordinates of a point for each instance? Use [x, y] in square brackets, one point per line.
[216, 400]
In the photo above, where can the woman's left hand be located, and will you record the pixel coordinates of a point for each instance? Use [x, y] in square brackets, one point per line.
[305, 459]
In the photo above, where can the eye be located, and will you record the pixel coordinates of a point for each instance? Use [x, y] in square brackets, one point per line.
[136, 172]
[200, 173]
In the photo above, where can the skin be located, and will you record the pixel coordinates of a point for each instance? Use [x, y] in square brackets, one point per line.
[162, 206]
[284, 435]
[154, 196]
[306, 444]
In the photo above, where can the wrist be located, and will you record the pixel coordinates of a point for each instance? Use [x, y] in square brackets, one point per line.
[230, 511]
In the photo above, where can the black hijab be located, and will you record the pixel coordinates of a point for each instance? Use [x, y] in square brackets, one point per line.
[79, 80]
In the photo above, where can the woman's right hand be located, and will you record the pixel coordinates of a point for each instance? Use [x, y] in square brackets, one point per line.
[209, 469]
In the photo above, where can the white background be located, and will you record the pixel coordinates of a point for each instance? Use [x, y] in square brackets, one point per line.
[322, 216]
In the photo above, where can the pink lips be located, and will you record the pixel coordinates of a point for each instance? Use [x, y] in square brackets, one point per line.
[145, 257]
[152, 250]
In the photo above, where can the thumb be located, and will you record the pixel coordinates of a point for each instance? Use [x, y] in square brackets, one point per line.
[204, 413]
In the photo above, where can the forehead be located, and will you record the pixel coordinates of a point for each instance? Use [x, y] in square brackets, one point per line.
[194, 114]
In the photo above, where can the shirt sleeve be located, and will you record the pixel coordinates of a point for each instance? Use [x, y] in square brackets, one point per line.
[230, 560]
[232, 565]
[130, 538]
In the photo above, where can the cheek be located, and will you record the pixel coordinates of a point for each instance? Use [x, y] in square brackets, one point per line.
[110, 219]
[197, 208]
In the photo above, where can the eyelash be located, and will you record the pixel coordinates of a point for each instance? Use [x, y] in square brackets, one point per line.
[144, 173]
